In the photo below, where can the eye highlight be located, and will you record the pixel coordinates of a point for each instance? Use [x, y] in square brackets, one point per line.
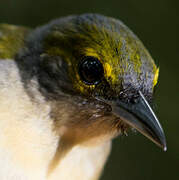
[91, 70]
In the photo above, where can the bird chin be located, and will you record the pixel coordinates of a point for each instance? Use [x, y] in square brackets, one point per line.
[92, 121]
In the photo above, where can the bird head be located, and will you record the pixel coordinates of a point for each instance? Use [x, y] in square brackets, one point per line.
[96, 74]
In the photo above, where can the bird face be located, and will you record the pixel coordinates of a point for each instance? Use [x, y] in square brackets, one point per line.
[97, 75]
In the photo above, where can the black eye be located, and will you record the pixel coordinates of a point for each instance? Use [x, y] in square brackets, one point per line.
[91, 70]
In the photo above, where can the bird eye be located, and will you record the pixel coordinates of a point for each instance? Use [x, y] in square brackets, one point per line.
[91, 70]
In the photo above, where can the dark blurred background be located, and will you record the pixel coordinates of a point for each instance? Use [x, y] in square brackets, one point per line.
[156, 22]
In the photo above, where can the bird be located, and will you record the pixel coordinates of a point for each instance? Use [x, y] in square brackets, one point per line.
[67, 89]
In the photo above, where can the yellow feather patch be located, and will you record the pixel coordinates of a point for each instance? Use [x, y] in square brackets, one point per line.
[156, 76]
[108, 69]
[108, 72]
[91, 52]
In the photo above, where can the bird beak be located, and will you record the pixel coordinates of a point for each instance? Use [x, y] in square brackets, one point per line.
[140, 116]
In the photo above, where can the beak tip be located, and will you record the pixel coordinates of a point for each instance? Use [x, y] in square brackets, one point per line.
[165, 148]
[161, 141]
[163, 145]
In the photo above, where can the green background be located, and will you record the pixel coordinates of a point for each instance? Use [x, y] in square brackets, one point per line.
[156, 22]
